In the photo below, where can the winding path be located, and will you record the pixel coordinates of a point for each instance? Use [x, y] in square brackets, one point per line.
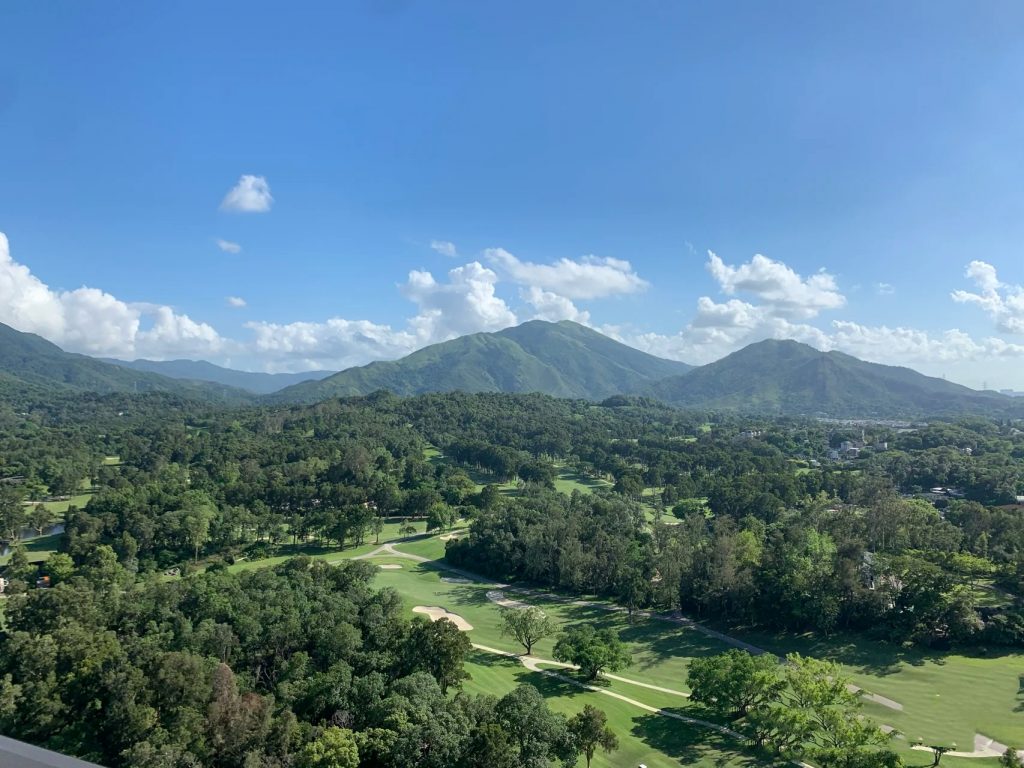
[983, 746]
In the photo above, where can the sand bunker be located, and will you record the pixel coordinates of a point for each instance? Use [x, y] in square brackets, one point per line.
[389, 566]
[436, 613]
[450, 536]
[455, 580]
[498, 597]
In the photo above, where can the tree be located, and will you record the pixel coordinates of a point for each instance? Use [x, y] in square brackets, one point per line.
[593, 651]
[407, 530]
[377, 526]
[439, 648]
[734, 682]
[39, 518]
[334, 748]
[539, 734]
[440, 516]
[590, 730]
[527, 625]
[1011, 759]
[59, 567]
[12, 513]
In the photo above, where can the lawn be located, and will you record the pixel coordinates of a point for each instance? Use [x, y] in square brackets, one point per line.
[38, 549]
[946, 698]
[653, 740]
[568, 480]
[61, 507]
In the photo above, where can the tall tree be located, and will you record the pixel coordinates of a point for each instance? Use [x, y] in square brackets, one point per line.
[527, 625]
[590, 730]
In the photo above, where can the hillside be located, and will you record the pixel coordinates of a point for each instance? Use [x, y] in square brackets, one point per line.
[787, 377]
[200, 370]
[561, 359]
[32, 363]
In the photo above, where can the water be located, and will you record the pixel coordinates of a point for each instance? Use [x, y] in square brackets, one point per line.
[27, 534]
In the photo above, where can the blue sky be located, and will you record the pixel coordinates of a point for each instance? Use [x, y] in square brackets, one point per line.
[578, 161]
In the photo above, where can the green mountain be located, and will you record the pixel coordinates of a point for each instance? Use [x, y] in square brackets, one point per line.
[561, 359]
[31, 363]
[786, 377]
[200, 370]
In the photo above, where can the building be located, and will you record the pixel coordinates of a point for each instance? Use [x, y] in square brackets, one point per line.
[18, 754]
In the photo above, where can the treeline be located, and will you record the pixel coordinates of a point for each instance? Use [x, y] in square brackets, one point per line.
[888, 568]
[299, 666]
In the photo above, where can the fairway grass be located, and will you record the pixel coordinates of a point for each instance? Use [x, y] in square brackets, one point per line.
[946, 698]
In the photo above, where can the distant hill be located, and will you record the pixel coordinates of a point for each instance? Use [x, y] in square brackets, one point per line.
[787, 377]
[200, 370]
[560, 359]
[32, 363]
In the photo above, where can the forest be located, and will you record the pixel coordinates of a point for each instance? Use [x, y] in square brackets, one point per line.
[151, 636]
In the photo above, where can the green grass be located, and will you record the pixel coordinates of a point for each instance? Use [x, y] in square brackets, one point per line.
[945, 696]
[38, 549]
[61, 507]
[656, 741]
[568, 480]
[112, 461]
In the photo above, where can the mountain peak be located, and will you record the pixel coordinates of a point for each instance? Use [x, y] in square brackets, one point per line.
[564, 359]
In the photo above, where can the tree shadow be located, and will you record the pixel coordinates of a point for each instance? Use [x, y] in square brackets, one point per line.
[691, 744]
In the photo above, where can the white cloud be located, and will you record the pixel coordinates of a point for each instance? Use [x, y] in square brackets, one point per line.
[1002, 302]
[784, 292]
[445, 248]
[884, 289]
[552, 307]
[465, 304]
[228, 247]
[591, 277]
[250, 195]
[235, 301]
[94, 322]
[334, 344]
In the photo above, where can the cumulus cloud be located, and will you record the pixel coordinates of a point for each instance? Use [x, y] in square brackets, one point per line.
[334, 344]
[781, 289]
[552, 307]
[228, 247]
[1002, 302]
[884, 289]
[250, 195]
[591, 277]
[236, 301]
[465, 304]
[95, 322]
[445, 248]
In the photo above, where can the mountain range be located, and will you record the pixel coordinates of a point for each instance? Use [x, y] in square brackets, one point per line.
[562, 359]
[787, 377]
[200, 370]
[31, 363]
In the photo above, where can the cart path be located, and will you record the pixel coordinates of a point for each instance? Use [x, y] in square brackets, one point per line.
[497, 595]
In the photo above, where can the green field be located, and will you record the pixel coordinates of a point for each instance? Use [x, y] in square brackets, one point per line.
[38, 549]
[568, 480]
[945, 698]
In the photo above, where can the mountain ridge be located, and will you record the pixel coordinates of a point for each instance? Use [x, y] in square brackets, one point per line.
[40, 366]
[561, 359]
[256, 382]
[791, 378]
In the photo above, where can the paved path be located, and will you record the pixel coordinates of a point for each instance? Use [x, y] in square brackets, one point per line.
[983, 746]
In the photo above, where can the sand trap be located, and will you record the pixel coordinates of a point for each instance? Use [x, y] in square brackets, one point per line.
[436, 613]
[498, 597]
[455, 580]
[450, 536]
[389, 566]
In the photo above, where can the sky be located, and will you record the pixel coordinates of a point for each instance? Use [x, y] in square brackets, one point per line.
[299, 186]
